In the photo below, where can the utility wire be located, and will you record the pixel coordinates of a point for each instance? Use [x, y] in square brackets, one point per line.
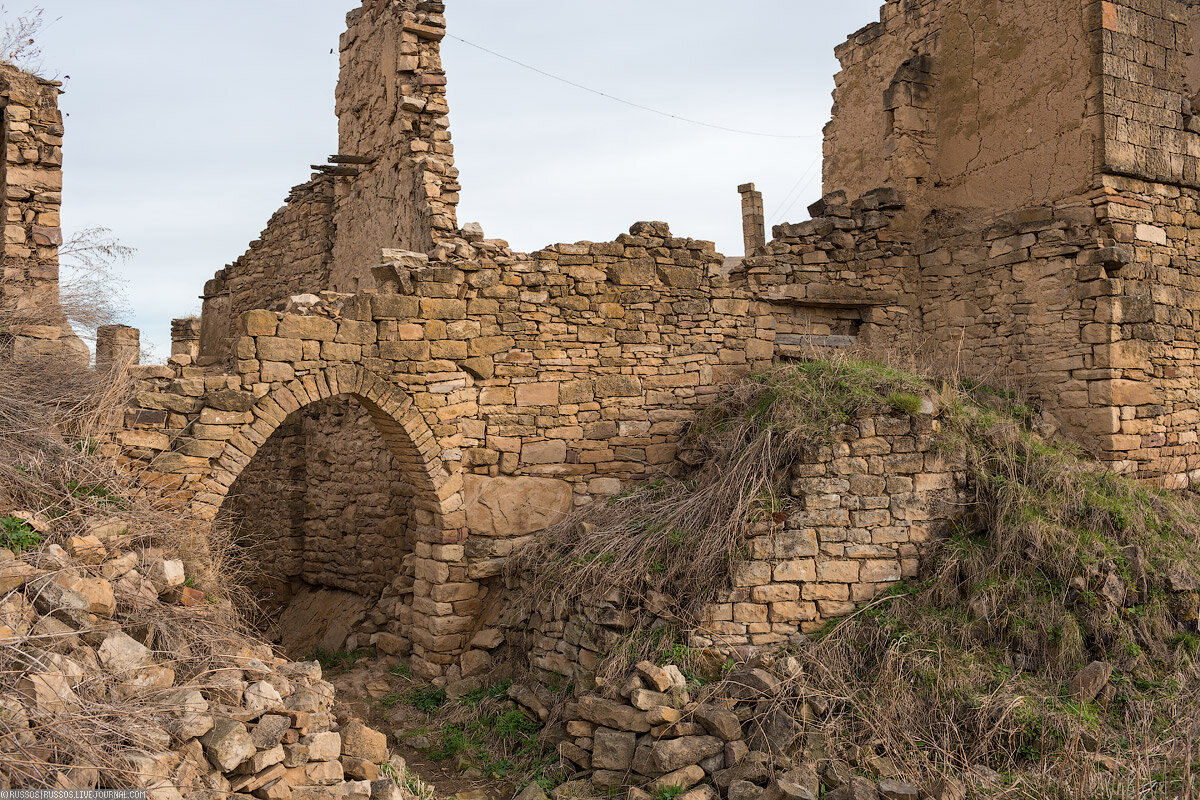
[783, 204]
[629, 102]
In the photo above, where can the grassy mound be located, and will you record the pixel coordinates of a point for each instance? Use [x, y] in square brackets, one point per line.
[971, 671]
[679, 539]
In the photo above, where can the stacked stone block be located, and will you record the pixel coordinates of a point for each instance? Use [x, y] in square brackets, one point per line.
[860, 514]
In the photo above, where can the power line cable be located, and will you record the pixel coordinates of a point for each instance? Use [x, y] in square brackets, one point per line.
[629, 102]
[805, 174]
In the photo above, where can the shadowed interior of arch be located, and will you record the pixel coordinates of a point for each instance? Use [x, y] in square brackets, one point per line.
[323, 517]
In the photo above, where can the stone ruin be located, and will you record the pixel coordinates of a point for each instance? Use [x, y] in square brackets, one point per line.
[393, 402]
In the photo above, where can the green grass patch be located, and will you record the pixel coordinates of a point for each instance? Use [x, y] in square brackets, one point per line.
[17, 535]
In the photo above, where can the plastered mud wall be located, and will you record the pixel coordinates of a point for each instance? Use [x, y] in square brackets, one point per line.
[985, 105]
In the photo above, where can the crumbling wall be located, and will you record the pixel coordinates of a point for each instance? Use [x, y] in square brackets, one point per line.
[986, 105]
[859, 515]
[31, 179]
[292, 255]
[393, 121]
[841, 279]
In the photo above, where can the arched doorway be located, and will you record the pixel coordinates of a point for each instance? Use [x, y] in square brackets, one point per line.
[323, 519]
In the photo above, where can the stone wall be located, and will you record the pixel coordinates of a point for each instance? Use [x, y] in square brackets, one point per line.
[292, 255]
[357, 502]
[31, 176]
[984, 105]
[1150, 128]
[392, 115]
[860, 513]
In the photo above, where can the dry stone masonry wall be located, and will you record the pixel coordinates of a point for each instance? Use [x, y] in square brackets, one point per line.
[1007, 192]
[858, 515]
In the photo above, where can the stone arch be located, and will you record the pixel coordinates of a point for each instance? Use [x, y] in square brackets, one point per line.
[441, 622]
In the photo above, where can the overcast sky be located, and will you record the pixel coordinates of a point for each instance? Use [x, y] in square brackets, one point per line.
[188, 120]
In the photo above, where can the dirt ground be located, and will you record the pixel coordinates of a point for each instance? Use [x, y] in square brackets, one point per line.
[368, 690]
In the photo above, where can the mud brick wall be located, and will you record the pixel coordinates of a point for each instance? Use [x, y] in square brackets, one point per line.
[861, 512]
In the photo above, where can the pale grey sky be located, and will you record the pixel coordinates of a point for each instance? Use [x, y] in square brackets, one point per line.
[188, 120]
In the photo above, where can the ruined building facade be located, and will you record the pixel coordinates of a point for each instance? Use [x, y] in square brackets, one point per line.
[391, 402]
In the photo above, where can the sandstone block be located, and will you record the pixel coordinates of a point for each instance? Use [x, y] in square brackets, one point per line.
[613, 749]
[359, 741]
[326, 746]
[228, 744]
[611, 714]
[516, 506]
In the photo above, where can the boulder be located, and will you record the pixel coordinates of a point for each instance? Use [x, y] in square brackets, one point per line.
[857, 789]
[751, 684]
[898, 790]
[48, 693]
[99, 596]
[613, 749]
[773, 728]
[324, 773]
[166, 574]
[270, 731]
[388, 789]
[655, 677]
[262, 697]
[669, 755]
[1088, 682]
[720, 722]
[784, 789]
[684, 778]
[87, 549]
[359, 741]
[611, 714]
[325, 746]
[744, 790]
[120, 653]
[228, 744]
[13, 575]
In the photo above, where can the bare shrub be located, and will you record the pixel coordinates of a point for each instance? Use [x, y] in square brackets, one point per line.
[18, 38]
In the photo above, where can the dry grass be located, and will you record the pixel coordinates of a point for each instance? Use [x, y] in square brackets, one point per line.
[53, 414]
[674, 542]
[968, 667]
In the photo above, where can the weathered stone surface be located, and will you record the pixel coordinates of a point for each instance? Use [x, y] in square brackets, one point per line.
[514, 506]
[325, 746]
[613, 749]
[672, 754]
[1088, 682]
[120, 653]
[227, 744]
[893, 789]
[784, 789]
[718, 721]
[359, 741]
[613, 715]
